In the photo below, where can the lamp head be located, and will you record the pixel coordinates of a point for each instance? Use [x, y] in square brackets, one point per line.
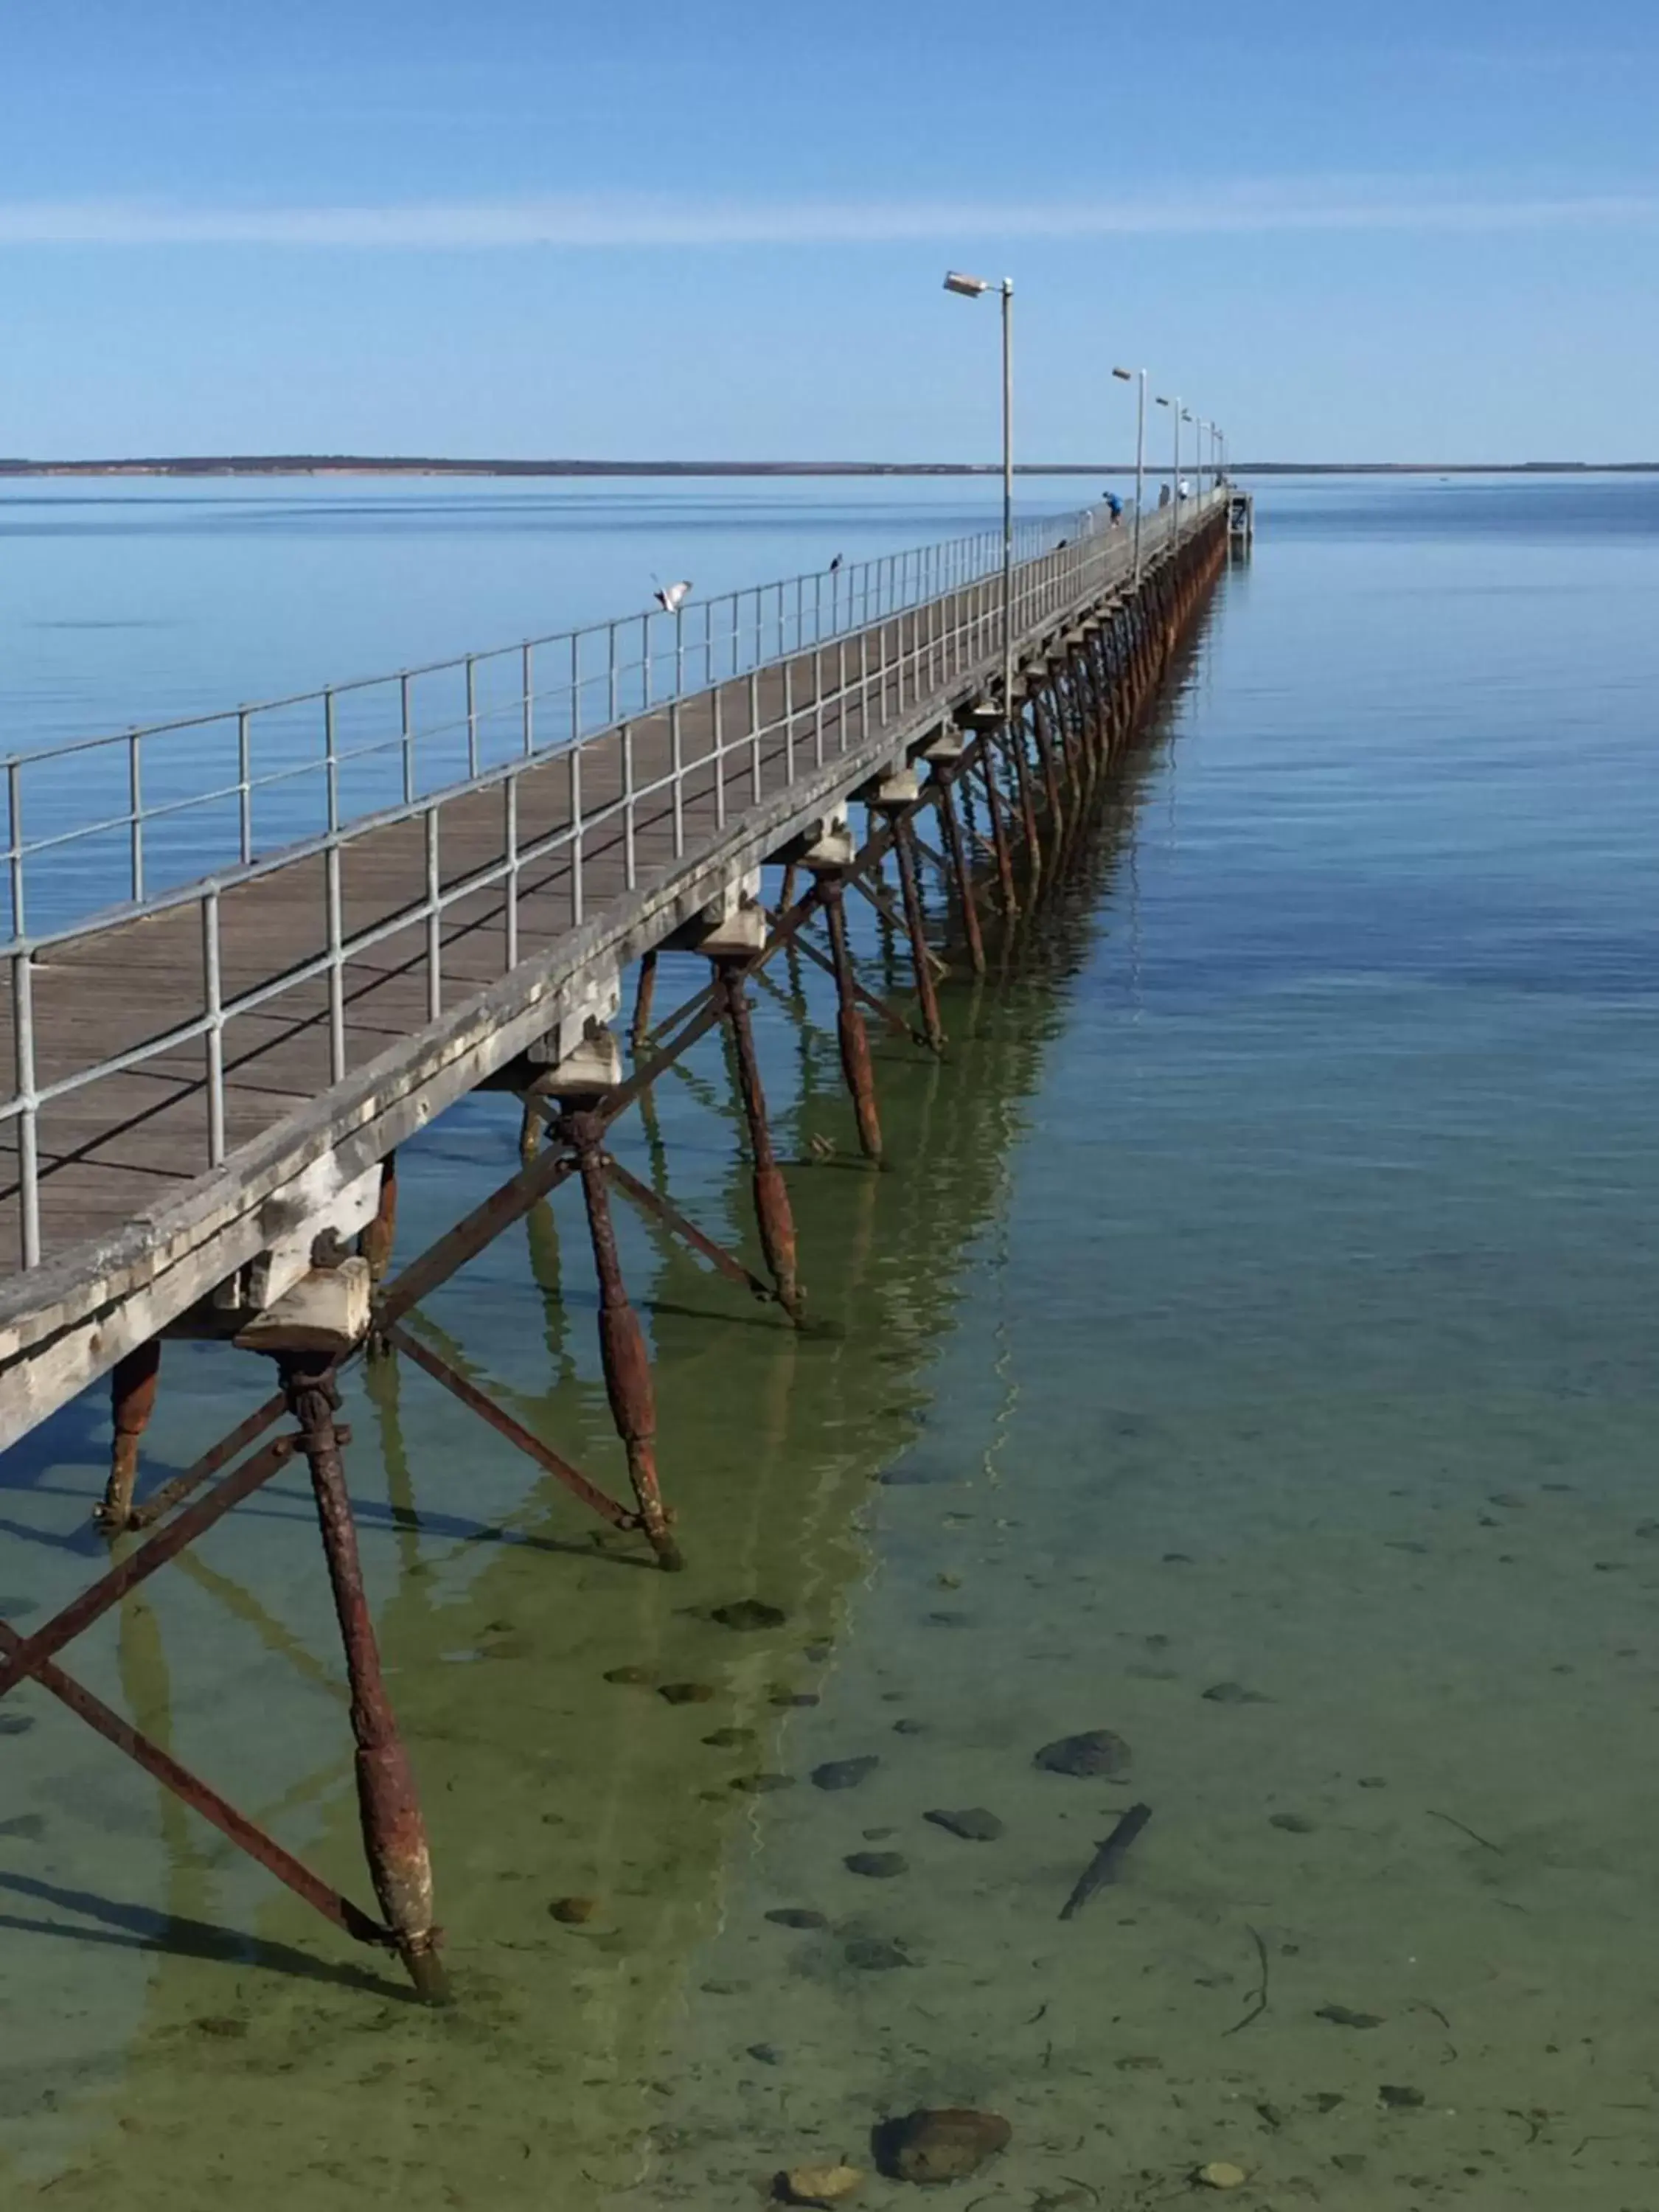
[969, 286]
[1124, 375]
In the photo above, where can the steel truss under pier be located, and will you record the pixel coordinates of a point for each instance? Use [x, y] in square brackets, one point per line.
[982, 798]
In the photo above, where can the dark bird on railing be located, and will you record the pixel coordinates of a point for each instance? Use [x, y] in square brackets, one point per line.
[671, 598]
[836, 564]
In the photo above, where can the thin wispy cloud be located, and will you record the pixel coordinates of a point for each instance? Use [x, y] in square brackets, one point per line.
[592, 221]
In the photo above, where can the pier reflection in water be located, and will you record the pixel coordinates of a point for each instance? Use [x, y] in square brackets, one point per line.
[599, 1756]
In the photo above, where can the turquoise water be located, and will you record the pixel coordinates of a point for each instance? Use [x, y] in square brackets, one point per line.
[1259, 1300]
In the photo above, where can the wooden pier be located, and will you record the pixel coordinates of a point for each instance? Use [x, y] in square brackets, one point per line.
[208, 1085]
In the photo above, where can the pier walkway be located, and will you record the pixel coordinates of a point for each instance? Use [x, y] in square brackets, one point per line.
[197, 1079]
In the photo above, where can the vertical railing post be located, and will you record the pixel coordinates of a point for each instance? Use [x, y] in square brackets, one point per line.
[719, 737]
[212, 995]
[511, 833]
[434, 987]
[753, 736]
[627, 805]
[14, 856]
[28, 1162]
[405, 707]
[136, 814]
[244, 786]
[471, 716]
[676, 743]
[529, 674]
[578, 902]
[789, 720]
[330, 763]
[336, 1049]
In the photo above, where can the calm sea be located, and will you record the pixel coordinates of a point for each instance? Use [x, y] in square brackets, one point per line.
[1249, 1351]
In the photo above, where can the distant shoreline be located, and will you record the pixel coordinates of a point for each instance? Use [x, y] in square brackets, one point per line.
[354, 465]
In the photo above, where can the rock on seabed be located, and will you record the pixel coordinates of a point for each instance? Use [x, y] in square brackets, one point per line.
[1096, 1753]
[948, 2144]
[818, 2184]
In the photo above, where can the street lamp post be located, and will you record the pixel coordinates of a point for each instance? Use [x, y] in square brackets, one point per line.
[971, 287]
[1129, 376]
[1174, 406]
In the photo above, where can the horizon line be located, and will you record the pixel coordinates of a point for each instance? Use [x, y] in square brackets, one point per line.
[16, 466]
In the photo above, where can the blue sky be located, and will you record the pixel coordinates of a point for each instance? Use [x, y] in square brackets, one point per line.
[633, 229]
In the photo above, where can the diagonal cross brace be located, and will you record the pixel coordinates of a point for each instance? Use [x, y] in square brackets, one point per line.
[28, 1653]
[201, 1797]
[459, 1386]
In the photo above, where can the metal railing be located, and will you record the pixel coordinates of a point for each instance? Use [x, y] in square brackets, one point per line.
[91, 820]
[892, 630]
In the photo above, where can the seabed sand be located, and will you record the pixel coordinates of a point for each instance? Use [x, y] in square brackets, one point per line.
[1456, 1698]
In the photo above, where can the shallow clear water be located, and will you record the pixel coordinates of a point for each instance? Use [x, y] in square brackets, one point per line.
[1260, 1296]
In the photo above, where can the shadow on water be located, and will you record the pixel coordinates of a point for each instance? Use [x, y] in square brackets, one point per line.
[137, 1927]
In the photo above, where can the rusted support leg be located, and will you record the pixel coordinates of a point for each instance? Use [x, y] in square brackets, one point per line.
[772, 1208]
[1016, 735]
[375, 1245]
[786, 896]
[999, 831]
[1096, 707]
[850, 1030]
[376, 1241]
[394, 1834]
[132, 1401]
[621, 1341]
[1050, 769]
[639, 1029]
[965, 880]
[921, 958]
[1108, 666]
[530, 1132]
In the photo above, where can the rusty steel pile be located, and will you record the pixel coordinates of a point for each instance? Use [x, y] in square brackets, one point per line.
[1010, 787]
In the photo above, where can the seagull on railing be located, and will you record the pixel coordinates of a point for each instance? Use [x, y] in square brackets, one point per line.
[671, 598]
